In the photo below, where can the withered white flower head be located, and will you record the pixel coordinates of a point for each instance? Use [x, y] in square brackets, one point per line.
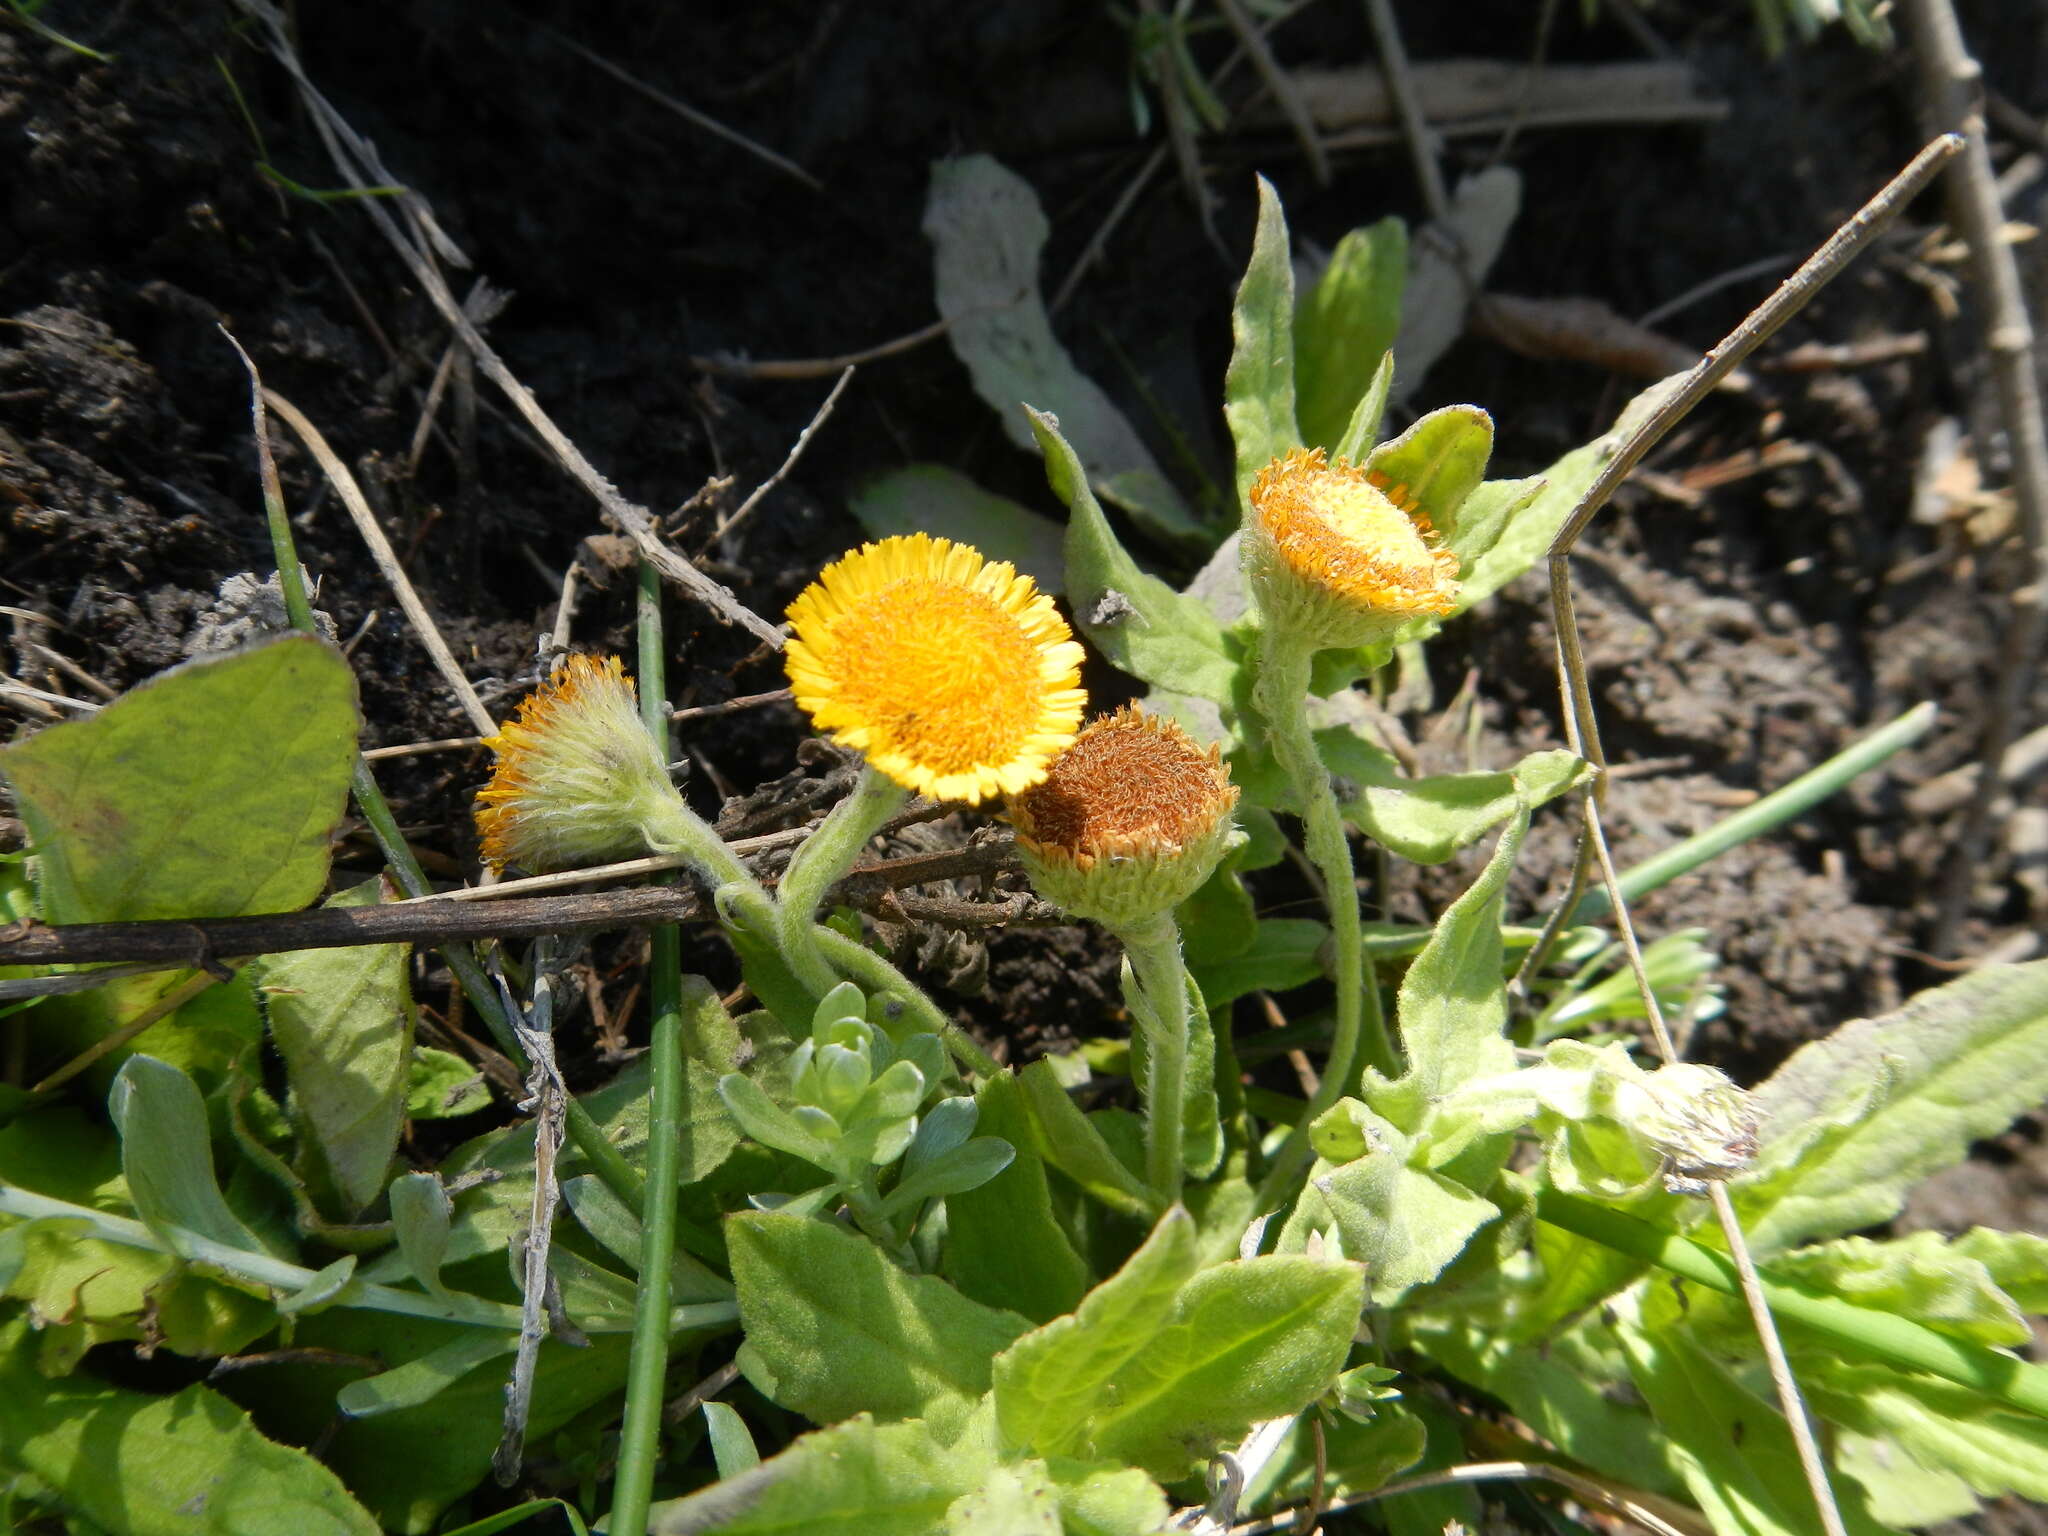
[1702, 1123]
[1335, 554]
[1128, 821]
[578, 780]
[953, 675]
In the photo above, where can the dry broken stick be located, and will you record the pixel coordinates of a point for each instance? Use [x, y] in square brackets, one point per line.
[203, 941]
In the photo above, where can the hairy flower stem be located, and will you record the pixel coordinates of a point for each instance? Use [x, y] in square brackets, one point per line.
[1280, 694]
[1159, 978]
[825, 856]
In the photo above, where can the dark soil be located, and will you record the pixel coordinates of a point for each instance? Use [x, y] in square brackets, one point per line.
[1739, 634]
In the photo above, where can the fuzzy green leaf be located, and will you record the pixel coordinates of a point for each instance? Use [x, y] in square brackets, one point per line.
[1070, 1141]
[2016, 1261]
[1258, 390]
[834, 1329]
[422, 1217]
[186, 1465]
[854, 1479]
[210, 791]
[1853, 1121]
[1161, 1362]
[1140, 623]
[1047, 1384]
[1284, 952]
[1345, 326]
[933, 499]
[167, 1156]
[342, 1020]
[1921, 1275]
[1016, 1498]
[1436, 464]
[1734, 1450]
[1942, 1426]
[1003, 1246]
[1406, 1224]
[1514, 522]
[1453, 1006]
[1427, 820]
[442, 1086]
[425, 1377]
[1108, 1500]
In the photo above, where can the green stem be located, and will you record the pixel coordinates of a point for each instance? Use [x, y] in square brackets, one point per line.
[876, 975]
[647, 1365]
[825, 856]
[1161, 981]
[1281, 695]
[1877, 1335]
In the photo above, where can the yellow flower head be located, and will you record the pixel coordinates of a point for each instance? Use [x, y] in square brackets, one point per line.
[578, 779]
[1329, 536]
[954, 675]
[1129, 821]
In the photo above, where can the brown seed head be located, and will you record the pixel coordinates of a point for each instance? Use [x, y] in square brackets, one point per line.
[1131, 785]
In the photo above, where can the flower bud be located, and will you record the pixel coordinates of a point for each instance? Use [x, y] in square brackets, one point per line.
[578, 779]
[1704, 1126]
[1128, 822]
[1338, 557]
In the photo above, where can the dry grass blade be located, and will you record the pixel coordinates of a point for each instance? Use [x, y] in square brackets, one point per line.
[1582, 727]
[387, 560]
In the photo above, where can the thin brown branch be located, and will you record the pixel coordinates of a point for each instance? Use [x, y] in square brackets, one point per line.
[1952, 88]
[206, 942]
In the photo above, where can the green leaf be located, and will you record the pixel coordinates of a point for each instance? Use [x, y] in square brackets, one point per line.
[1258, 390]
[343, 1022]
[1161, 1363]
[1368, 414]
[1921, 1275]
[987, 232]
[1107, 1500]
[1016, 1498]
[1405, 1223]
[167, 1158]
[732, 1443]
[950, 1173]
[1734, 1450]
[409, 1464]
[1285, 952]
[933, 499]
[1068, 1140]
[854, 1479]
[1344, 328]
[440, 1086]
[1528, 523]
[1565, 1391]
[1048, 1384]
[1853, 1121]
[425, 1377]
[212, 790]
[2016, 1261]
[101, 1291]
[1355, 1459]
[1428, 820]
[834, 1329]
[1140, 623]
[187, 1465]
[422, 1217]
[1453, 1006]
[1435, 465]
[1003, 1246]
[325, 1285]
[605, 1217]
[1938, 1424]
[506, 1519]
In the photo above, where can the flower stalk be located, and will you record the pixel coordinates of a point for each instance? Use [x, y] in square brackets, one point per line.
[1157, 989]
[826, 855]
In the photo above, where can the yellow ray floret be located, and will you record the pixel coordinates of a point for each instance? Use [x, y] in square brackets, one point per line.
[578, 779]
[954, 675]
[1333, 526]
